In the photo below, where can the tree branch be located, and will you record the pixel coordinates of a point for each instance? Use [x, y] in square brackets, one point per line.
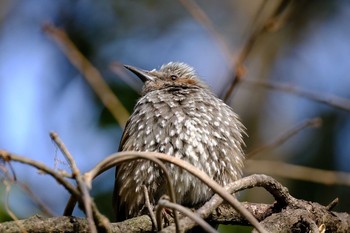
[224, 214]
[91, 74]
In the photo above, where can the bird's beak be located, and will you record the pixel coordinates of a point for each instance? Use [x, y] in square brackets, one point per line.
[144, 75]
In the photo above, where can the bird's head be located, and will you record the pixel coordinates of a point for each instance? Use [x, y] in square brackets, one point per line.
[173, 75]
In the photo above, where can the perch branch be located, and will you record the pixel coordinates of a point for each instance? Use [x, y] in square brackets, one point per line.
[294, 212]
[280, 193]
[110, 161]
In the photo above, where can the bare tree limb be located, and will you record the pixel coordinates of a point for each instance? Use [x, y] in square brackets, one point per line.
[306, 215]
[334, 222]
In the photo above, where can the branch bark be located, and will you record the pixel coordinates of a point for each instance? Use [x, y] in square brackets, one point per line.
[273, 218]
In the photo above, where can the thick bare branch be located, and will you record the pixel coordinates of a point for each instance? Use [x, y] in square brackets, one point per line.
[333, 221]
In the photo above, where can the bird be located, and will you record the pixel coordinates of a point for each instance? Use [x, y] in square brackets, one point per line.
[177, 114]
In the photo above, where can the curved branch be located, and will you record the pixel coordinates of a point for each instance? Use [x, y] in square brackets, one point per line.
[110, 161]
[117, 158]
[200, 221]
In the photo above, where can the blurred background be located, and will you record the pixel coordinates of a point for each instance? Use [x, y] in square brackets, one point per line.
[306, 47]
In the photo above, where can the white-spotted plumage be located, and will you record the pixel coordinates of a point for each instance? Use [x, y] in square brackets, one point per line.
[181, 117]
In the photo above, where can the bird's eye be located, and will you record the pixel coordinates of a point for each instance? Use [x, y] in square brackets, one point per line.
[173, 77]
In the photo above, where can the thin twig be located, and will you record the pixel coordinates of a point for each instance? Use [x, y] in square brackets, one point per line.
[6, 156]
[8, 209]
[195, 217]
[315, 122]
[333, 203]
[148, 205]
[250, 44]
[111, 161]
[12, 172]
[159, 219]
[278, 168]
[256, 18]
[91, 74]
[102, 221]
[280, 15]
[35, 199]
[330, 100]
[87, 200]
[198, 14]
[54, 136]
